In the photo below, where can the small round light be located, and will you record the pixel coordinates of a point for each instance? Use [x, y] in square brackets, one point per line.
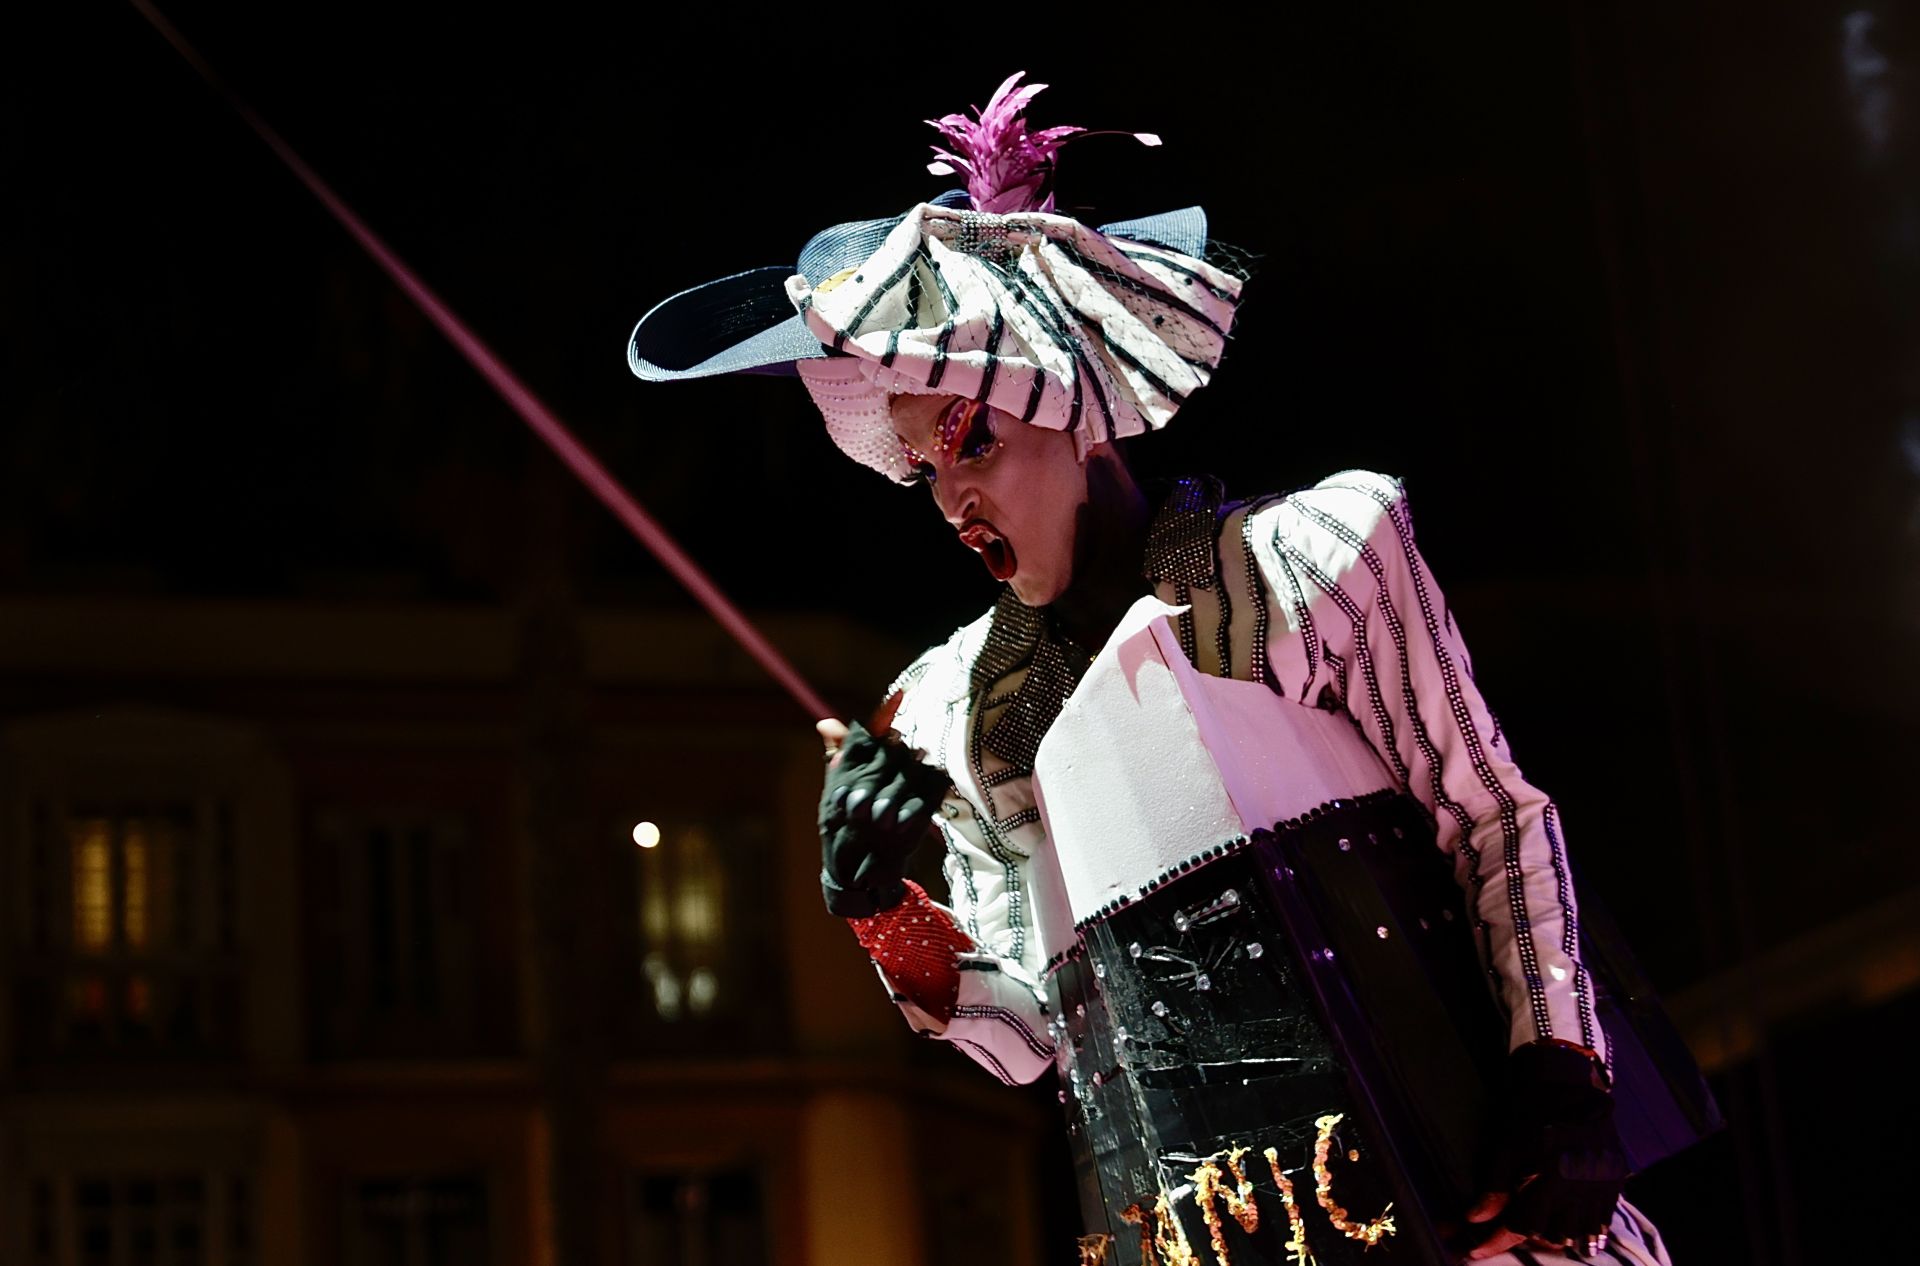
[646, 834]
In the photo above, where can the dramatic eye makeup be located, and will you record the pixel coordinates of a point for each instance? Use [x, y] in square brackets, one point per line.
[962, 435]
[965, 431]
[919, 467]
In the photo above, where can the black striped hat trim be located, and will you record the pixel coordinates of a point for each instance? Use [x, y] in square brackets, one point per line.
[1225, 296]
[1160, 297]
[939, 370]
[873, 301]
[993, 353]
[1016, 285]
[1085, 367]
[1154, 380]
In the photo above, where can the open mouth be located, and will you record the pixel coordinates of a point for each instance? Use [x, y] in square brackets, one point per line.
[994, 549]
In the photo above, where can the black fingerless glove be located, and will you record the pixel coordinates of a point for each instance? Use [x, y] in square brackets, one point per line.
[874, 812]
[1555, 1146]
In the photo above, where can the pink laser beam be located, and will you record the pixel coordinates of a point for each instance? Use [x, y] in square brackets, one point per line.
[516, 393]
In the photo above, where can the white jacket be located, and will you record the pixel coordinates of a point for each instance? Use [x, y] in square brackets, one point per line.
[1323, 595]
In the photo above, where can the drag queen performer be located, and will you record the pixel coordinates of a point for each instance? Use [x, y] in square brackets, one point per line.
[1226, 1102]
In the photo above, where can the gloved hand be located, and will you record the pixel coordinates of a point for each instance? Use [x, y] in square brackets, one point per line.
[874, 812]
[1555, 1165]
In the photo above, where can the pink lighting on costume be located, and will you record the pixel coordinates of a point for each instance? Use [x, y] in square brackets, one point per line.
[529, 406]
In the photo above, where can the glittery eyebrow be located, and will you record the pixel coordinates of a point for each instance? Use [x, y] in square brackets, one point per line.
[953, 423]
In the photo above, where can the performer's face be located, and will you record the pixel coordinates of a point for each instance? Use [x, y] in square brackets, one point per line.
[1012, 491]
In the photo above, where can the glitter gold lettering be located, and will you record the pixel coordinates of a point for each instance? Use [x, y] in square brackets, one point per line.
[1368, 1233]
[1296, 1244]
[1222, 1179]
[1135, 1214]
[1209, 1186]
[1162, 1242]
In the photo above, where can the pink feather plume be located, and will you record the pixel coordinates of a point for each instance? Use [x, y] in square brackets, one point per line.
[1008, 168]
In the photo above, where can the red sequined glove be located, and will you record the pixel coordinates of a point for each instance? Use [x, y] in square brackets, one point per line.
[915, 944]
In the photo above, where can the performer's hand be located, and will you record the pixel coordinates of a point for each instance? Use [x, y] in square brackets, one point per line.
[874, 811]
[1556, 1165]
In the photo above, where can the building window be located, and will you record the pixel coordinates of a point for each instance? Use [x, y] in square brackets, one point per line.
[140, 1220]
[706, 934]
[437, 1221]
[399, 938]
[131, 946]
[683, 924]
[697, 1219]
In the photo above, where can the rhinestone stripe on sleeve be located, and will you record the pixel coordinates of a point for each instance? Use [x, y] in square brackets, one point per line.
[1348, 608]
[1183, 622]
[1012, 1021]
[1223, 624]
[1509, 810]
[957, 865]
[1476, 756]
[1338, 667]
[909, 676]
[1308, 634]
[989, 836]
[1397, 631]
[986, 1058]
[1570, 931]
[1016, 894]
[1258, 667]
[1363, 657]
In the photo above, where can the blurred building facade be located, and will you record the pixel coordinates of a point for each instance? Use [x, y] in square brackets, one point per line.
[326, 939]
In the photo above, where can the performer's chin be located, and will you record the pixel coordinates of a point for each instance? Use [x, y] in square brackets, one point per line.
[1034, 590]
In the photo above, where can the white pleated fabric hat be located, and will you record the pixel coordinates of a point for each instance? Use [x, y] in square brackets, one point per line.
[984, 293]
[1036, 314]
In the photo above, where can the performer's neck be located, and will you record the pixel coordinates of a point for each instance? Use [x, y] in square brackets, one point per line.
[1110, 539]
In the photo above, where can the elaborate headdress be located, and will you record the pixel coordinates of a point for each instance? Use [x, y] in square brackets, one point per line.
[986, 294]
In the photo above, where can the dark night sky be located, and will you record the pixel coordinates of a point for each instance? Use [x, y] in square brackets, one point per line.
[225, 395]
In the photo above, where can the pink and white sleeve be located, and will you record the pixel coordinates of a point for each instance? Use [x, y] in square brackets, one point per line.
[1394, 658]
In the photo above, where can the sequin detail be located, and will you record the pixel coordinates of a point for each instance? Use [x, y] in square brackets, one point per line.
[915, 944]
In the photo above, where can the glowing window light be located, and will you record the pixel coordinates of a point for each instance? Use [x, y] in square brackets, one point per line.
[666, 987]
[702, 988]
[133, 860]
[92, 844]
[656, 911]
[682, 909]
[646, 834]
[700, 898]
